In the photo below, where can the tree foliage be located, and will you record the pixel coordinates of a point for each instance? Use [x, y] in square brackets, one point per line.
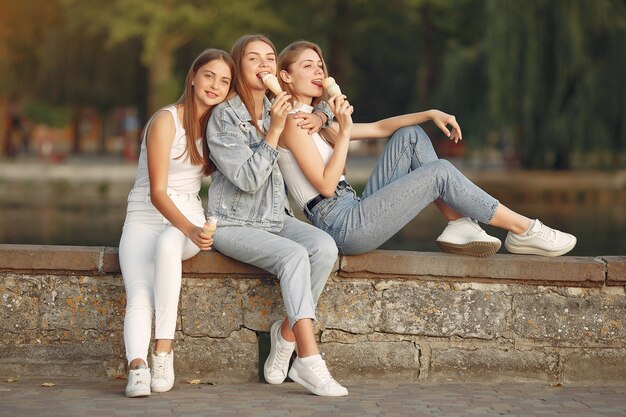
[547, 73]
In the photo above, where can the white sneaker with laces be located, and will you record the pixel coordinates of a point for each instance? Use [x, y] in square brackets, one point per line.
[465, 237]
[138, 382]
[316, 378]
[162, 371]
[540, 240]
[277, 362]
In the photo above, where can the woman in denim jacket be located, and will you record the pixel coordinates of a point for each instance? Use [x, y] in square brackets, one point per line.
[255, 224]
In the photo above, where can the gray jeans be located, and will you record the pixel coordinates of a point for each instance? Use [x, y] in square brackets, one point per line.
[408, 176]
[300, 255]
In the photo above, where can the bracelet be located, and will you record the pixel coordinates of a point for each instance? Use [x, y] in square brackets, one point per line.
[321, 120]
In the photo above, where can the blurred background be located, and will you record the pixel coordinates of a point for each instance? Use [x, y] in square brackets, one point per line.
[537, 85]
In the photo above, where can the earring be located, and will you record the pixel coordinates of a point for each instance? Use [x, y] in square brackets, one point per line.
[193, 84]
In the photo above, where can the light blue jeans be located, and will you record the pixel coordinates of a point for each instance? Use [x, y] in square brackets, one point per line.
[408, 176]
[300, 255]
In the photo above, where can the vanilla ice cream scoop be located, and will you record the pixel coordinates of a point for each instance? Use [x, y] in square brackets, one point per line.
[331, 87]
[271, 82]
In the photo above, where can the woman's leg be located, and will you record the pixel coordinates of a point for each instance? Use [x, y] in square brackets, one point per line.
[366, 224]
[136, 253]
[286, 259]
[172, 248]
[322, 252]
[408, 149]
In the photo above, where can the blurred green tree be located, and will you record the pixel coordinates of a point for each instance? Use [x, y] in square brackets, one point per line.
[164, 27]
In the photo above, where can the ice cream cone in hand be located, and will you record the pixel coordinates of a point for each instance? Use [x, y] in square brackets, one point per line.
[331, 87]
[209, 226]
[271, 82]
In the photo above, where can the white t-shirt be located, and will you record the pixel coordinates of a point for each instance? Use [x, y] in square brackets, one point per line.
[182, 176]
[297, 183]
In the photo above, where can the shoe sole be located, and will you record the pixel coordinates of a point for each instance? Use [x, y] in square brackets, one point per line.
[273, 344]
[477, 249]
[523, 250]
[296, 378]
[157, 389]
[138, 394]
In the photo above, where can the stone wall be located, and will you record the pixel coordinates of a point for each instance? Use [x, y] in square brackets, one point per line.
[426, 317]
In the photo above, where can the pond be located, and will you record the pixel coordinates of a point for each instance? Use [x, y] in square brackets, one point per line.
[58, 213]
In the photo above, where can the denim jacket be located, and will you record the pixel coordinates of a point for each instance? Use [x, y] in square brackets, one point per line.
[247, 188]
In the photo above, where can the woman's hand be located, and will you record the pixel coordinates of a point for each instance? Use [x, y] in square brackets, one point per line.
[280, 109]
[343, 114]
[443, 120]
[311, 122]
[200, 239]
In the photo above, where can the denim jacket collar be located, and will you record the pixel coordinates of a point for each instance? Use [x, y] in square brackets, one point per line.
[242, 112]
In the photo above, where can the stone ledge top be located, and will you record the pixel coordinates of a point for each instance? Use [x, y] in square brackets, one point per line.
[385, 264]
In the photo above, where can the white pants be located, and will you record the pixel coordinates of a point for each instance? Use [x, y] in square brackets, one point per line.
[151, 252]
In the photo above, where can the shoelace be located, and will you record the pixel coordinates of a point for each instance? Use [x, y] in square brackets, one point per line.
[139, 378]
[159, 365]
[546, 233]
[283, 354]
[322, 371]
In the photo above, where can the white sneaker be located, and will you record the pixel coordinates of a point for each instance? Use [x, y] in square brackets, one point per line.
[162, 372]
[540, 240]
[465, 237]
[138, 382]
[277, 362]
[316, 378]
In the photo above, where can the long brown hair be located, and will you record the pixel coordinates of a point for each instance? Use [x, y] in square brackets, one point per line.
[287, 58]
[193, 129]
[243, 90]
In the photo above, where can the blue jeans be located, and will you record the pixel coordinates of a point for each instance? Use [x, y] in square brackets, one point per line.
[300, 255]
[408, 176]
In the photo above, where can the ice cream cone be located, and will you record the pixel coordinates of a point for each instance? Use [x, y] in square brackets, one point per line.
[331, 87]
[271, 82]
[209, 226]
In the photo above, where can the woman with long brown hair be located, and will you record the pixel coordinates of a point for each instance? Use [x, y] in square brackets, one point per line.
[164, 220]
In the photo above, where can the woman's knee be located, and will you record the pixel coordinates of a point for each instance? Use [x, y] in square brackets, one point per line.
[169, 246]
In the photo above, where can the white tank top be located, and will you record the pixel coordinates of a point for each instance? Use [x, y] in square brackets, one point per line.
[299, 186]
[182, 176]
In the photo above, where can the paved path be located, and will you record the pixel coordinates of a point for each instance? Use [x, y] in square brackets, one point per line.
[102, 397]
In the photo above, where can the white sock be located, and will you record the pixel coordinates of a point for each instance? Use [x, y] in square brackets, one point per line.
[309, 360]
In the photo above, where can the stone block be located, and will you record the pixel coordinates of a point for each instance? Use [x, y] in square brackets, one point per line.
[19, 303]
[373, 361]
[568, 270]
[352, 306]
[262, 304]
[99, 356]
[75, 303]
[214, 263]
[442, 311]
[110, 261]
[49, 258]
[490, 364]
[210, 307]
[616, 270]
[591, 317]
[595, 365]
[230, 359]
